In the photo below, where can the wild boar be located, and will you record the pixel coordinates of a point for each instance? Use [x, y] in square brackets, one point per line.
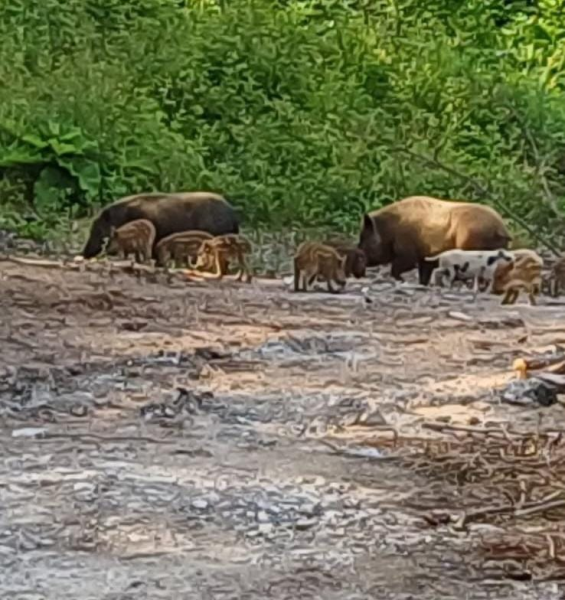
[314, 260]
[169, 213]
[180, 248]
[557, 277]
[219, 251]
[407, 231]
[135, 237]
[462, 265]
[522, 274]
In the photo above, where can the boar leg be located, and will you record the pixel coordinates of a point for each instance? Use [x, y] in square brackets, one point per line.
[400, 265]
[437, 277]
[452, 276]
[218, 265]
[225, 265]
[244, 268]
[510, 296]
[148, 254]
[296, 276]
[310, 280]
[425, 270]
[490, 285]
[240, 266]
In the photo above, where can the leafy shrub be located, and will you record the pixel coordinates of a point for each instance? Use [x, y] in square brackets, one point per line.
[303, 112]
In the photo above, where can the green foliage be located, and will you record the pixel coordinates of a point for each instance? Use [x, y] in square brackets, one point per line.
[300, 111]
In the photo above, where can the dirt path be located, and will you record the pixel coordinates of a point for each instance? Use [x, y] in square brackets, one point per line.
[210, 440]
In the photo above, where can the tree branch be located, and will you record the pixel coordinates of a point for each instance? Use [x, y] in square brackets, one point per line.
[539, 162]
[483, 192]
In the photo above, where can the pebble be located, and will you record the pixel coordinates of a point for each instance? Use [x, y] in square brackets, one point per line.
[28, 432]
[6, 550]
[200, 504]
[304, 524]
[262, 516]
[307, 509]
[83, 487]
[265, 528]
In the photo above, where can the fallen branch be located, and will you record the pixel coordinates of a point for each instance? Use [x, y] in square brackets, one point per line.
[105, 267]
[102, 438]
[468, 428]
[38, 262]
[539, 507]
[554, 365]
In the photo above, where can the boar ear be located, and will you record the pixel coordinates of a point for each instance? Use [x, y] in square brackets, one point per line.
[368, 223]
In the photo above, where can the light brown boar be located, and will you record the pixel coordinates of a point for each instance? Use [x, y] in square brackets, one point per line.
[136, 237]
[180, 248]
[405, 232]
[215, 254]
[557, 277]
[355, 259]
[522, 274]
[314, 260]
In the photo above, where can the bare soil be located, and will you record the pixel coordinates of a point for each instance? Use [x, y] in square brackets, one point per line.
[219, 440]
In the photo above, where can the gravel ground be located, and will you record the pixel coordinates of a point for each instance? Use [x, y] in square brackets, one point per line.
[209, 440]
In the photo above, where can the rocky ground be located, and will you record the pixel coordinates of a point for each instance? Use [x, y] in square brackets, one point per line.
[218, 440]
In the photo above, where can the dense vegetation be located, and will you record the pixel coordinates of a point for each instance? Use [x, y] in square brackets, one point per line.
[297, 110]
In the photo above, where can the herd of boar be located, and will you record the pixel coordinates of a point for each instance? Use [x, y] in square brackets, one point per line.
[444, 240]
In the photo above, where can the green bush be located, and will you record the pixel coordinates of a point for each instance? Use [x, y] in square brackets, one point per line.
[300, 111]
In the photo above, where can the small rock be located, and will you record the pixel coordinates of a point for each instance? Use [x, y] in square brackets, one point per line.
[304, 524]
[83, 487]
[6, 550]
[307, 509]
[200, 504]
[266, 528]
[252, 533]
[459, 316]
[528, 392]
[29, 432]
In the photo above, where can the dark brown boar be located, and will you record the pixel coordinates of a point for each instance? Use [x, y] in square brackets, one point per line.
[169, 213]
[405, 232]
